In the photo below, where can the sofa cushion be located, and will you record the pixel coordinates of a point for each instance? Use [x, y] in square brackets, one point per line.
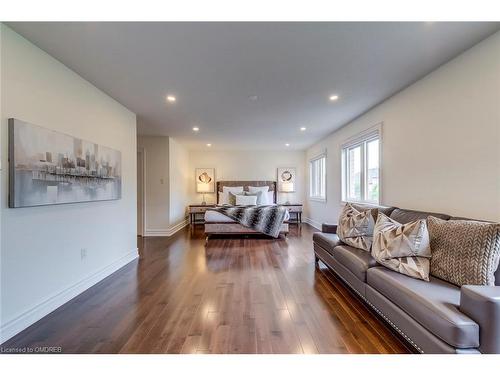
[464, 252]
[355, 227]
[497, 272]
[356, 260]
[326, 240]
[434, 304]
[405, 216]
[404, 248]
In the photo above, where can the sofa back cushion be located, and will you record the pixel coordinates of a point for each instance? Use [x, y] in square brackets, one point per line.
[405, 216]
[464, 252]
[497, 273]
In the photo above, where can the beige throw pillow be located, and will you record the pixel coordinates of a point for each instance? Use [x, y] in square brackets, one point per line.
[404, 248]
[464, 252]
[355, 227]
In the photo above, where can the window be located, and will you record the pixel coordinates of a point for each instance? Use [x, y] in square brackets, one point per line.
[361, 169]
[317, 173]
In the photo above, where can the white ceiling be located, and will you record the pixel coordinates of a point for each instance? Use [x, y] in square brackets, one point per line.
[214, 69]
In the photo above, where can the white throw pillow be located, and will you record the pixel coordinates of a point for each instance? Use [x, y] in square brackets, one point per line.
[267, 196]
[254, 189]
[259, 196]
[232, 189]
[270, 197]
[246, 200]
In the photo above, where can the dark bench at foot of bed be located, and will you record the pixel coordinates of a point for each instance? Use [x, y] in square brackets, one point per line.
[236, 228]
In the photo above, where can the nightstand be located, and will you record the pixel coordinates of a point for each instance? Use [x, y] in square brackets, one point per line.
[296, 209]
[198, 209]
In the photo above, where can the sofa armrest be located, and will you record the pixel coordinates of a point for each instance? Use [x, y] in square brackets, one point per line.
[329, 228]
[482, 304]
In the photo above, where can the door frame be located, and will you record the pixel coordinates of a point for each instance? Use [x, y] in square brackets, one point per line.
[142, 197]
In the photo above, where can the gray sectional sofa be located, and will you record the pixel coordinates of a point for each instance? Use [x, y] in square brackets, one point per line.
[435, 316]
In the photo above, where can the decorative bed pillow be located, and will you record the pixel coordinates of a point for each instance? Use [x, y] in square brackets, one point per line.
[355, 227]
[464, 252]
[254, 189]
[232, 189]
[268, 197]
[259, 196]
[232, 197]
[246, 200]
[404, 248]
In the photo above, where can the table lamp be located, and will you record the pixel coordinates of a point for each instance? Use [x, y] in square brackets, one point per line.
[287, 187]
[203, 187]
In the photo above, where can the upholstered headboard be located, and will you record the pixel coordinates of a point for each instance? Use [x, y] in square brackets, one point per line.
[246, 184]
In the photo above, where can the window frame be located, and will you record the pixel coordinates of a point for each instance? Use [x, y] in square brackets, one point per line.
[362, 139]
[318, 198]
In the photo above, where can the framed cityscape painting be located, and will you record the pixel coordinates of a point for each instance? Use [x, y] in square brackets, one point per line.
[47, 167]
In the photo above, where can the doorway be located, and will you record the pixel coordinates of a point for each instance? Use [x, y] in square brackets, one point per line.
[140, 192]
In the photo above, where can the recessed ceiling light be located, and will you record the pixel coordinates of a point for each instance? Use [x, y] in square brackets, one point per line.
[287, 144]
[253, 98]
[303, 129]
[334, 98]
[209, 145]
[171, 98]
[195, 129]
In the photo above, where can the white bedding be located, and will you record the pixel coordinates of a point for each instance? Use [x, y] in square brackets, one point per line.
[217, 217]
[268, 198]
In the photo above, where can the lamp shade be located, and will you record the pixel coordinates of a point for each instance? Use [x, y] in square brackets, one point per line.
[202, 187]
[287, 187]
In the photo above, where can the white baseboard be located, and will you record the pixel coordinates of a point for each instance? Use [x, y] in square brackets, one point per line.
[166, 233]
[27, 318]
[311, 222]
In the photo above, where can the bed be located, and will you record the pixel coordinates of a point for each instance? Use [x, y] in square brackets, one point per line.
[218, 223]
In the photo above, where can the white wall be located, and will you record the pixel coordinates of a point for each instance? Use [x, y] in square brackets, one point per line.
[441, 141]
[247, 165]
[179, 183]
[41, 265]
[166, 184]
[156, 174]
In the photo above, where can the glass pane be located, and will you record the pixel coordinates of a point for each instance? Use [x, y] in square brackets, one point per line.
[372, 176]
[321, 191]
[314, 178]
[317, 184]
[354, 173]
[311, 172]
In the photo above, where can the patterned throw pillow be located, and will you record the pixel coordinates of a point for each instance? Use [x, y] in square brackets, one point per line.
[464, 252]
[355, 227]
[404, 248]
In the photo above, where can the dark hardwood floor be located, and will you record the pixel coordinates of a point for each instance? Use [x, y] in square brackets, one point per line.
[234, 295]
